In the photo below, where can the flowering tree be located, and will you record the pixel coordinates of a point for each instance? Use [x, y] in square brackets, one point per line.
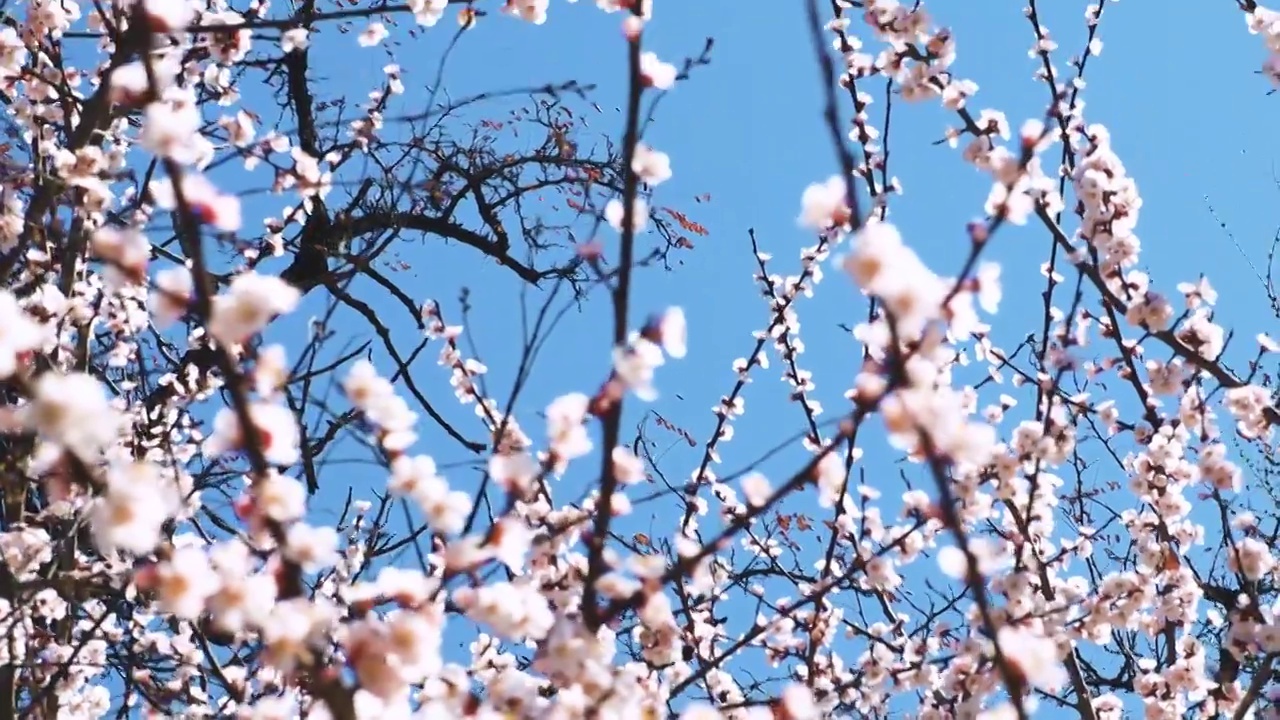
[162, 550]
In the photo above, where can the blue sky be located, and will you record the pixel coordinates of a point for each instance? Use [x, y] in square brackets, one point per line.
[747, 130]
[1176, 86]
